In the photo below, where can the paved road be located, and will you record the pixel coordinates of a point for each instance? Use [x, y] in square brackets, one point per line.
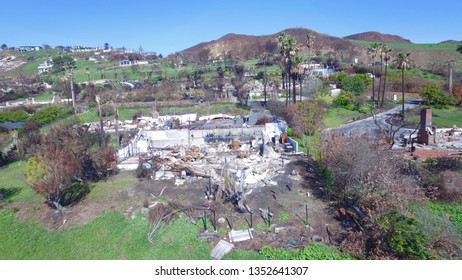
[368, 125]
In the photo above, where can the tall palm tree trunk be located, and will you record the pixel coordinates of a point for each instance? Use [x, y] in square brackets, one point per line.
[402, 94]
[380, 80]
[373, 83]
[384, 85]
[288, 85]
[294, 92]
[301, 86]
[265, 82]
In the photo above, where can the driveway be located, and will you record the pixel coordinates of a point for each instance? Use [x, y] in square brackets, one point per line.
[367, 126]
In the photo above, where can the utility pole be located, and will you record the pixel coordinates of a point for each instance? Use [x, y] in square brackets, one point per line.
[451, 67]
[116, 125]
[72, 90]
[100, 121]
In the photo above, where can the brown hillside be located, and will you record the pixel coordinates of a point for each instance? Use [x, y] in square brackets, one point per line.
[247, 46]
[373, 36]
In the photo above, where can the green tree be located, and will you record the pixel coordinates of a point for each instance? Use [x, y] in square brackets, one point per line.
[66, 64]
[459, 48]
[355, 84]
[344, 99]
[62, 64]
[4, 47]
[403, 62]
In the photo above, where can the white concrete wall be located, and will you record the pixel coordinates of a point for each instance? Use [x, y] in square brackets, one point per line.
[171, 137]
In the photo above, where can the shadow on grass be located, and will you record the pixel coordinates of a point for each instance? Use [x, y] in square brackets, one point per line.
[7, 193]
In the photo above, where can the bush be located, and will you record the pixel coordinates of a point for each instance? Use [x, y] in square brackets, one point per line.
[344, 99]
[433, 96]
[355, 84]
[325, 100]
[405, 237]
[50, 113]
[13, 116]
[312, 252]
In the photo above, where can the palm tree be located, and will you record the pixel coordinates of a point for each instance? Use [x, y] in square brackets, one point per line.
[288, 51]
[386, 57]
[264, 57]
[380, 48]
[298, 72]
[309, 44]
[372, 51]
[282, 52]
[403, 62]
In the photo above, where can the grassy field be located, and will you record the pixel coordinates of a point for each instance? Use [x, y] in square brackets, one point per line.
[121, 182]
[110, 236]
[202, 109]
[441, 221]
[444, 117]
[13, 183]
[338, 116]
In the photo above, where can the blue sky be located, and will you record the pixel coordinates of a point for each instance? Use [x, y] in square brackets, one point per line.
[169, 26]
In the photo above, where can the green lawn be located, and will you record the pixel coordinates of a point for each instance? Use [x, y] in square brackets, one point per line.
[110, 236]
[44, 97]
[441, 221]
[13, 182]
[205, 109]
[443, 118]
[338, 116]
[123, 181]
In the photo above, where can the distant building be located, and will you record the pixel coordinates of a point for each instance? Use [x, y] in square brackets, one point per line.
[125, 63]
[45, 67]
[29, 48]
[83, 49]
[9, 127]
[317, 70]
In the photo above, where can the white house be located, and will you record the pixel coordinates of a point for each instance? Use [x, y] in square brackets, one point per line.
[45, 67]
[125, 63]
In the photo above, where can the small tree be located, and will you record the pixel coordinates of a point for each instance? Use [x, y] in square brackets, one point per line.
[63, 164]
[355, 84]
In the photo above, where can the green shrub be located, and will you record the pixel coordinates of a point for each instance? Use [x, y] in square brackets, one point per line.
[290, 132]
[311, 252]
[355, 84]
[405, 237]
[433, 96]
[13, 116]
[344, 99]
[50, 113]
